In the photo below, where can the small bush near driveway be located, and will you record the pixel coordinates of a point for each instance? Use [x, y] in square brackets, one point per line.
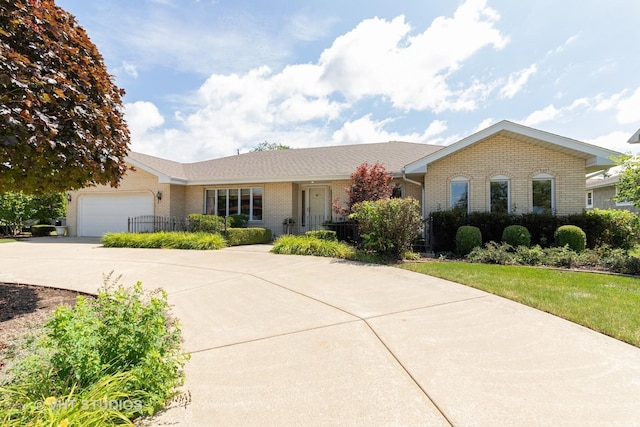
[308, 245]
[164, 240]
[248, 236]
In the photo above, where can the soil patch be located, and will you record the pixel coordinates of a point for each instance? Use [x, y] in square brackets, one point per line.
[24, 309]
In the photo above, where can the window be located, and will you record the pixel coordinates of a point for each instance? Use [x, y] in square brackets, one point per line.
[542, 190]
[500, 194]
[624, 203]
[460, 194]
[589, 199]
[232, 201]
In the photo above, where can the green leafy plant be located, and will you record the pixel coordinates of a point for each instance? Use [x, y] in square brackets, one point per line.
[124, 331]
[571, 236]
[516, 235]
[467, 238]
[42, 230]
[238, 221]
[248, 236]
[206, 223]
[322, 234]
[388, 226]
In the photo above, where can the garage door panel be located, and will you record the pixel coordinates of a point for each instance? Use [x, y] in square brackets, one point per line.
[100, 213]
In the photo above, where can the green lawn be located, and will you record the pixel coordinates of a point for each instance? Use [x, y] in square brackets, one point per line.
[604, 303]
[7, 240]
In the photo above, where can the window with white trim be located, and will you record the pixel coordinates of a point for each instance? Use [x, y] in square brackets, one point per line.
[500, 194]
[589, 200]
[542, 188]
[459, 194]
[624, 203]
[232, 201]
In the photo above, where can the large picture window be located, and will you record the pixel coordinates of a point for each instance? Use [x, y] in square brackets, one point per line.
[500, 194]
[460, 194]
[231, 201]
[542, 189]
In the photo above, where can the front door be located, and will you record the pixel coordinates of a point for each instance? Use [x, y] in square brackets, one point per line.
[318, 209]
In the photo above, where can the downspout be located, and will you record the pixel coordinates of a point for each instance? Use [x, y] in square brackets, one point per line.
[422, 201]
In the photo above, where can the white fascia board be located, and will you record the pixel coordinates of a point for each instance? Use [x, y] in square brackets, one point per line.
[599, 154]
[162, 178]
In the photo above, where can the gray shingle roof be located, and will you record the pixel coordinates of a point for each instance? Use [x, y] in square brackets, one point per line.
[335, 162]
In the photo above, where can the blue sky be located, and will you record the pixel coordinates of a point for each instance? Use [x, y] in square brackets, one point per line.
[207, 78]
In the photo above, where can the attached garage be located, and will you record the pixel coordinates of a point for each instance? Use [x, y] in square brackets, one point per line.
[104, 213]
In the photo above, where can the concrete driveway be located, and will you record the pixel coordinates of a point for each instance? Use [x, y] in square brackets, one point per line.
[288, 340]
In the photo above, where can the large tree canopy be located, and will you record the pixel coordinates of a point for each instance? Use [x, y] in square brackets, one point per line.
[628, 188]
[61, 124]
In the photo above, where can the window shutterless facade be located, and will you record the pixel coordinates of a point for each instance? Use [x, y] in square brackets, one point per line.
[589, 199]
[232, 201]
[543, 194]
[459, 194]
[500, 194]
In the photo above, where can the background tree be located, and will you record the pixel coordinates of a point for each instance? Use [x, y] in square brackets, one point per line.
[368, 183]
[629, 180]
[61, 124]
[270, 146]
[16, 208]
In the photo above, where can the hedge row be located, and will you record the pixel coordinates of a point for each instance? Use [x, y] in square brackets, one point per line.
[248, 236]
[615, 228]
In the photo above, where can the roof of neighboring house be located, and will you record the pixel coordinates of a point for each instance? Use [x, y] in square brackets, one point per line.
[297, 164]
[602, 182]
[596, 158]
[635, 138]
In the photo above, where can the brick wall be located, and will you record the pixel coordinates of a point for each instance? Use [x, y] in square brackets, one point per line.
[520, 161]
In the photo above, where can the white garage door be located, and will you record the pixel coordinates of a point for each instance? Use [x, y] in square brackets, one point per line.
[101, 213]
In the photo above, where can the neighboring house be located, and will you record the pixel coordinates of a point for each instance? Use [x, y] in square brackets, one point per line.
[505, 167]
[600, 192]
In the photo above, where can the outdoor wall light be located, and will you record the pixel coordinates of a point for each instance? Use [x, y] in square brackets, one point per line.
[69, 197]
[159, 195]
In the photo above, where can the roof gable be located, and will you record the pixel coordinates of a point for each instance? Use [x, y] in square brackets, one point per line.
[596, 158]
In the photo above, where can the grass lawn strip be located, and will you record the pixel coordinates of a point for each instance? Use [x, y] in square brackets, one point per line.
[605, 303]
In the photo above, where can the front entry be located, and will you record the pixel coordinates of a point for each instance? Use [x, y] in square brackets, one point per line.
[316, 200]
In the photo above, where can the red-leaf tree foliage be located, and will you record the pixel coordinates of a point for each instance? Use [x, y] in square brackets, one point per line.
[61, 123]
[368, 183]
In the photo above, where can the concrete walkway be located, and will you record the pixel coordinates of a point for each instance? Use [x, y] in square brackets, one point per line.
[288, 340]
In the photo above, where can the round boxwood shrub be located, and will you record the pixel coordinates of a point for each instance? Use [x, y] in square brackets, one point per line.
[467, 238]
[516, 235]
[571, 235]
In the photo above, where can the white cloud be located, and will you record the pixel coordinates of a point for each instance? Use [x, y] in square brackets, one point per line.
[310, 28]
[142, 116]
[617, 141]
[127, 68]
[565, 45]
[381, 58]
[302, 104]
[629, 109]
[550, 112]
[517, 80]
[484, 124]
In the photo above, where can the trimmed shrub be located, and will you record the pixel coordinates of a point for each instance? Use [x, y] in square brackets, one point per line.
[42, 230]
[322, 234]
[248, 236]
[238, 221]
[516, 235]
[444, 225]
[572, 236]
[206, 223]
[388, 226]
[467, 238]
